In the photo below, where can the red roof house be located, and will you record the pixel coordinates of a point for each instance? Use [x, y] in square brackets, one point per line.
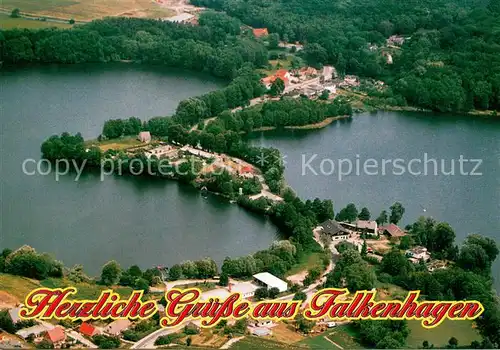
[247, 169]
[392, 230]
[56, 335]
[260, 32]
[87, 329]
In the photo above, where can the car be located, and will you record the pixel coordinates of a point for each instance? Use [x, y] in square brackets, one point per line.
[331, 324]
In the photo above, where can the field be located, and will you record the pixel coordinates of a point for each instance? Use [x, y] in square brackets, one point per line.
[299, 271]
[251, 343]
[116, 144]
[6, 22]
[439, 336]
[15, 288]
[86, 10]
[341, 335]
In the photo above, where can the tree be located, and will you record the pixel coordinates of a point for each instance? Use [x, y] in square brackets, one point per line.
[349, 213]
[261, 293]
[274, 40]
[364, 214]
[324, 95]
[425, 344]
[405, 242]
[364, 249]
[189, 341]
[304, 325]
[453, 342]
[300, 296]
[16, 13]
[382, 218]
[71, 21]
[277, 87]
[45, 344]
[141, 284]
[224, 279]
[175, 272]
[397, 212]
[110, 273]
[273, 292]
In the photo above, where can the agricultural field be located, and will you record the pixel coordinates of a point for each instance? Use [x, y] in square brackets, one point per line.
[87, 10]
[6, 22]
[464, 331]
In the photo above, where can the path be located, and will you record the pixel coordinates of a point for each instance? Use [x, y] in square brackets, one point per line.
[205, 123]
[81, 339]
[231, 342]
[331, 341]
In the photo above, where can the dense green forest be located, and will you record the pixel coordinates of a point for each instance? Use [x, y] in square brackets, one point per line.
[214, 46]
[449, 62]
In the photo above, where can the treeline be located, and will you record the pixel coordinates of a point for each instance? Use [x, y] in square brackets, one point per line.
[26, 262]
[205, 268]
[71, 148]
[213, 46]
[450, 63]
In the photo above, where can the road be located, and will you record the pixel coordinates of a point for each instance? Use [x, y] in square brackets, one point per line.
[81, 339]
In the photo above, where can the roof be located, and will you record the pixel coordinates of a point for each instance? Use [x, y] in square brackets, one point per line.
[418, 250]
[87, 329]
[180, 18]
[281, 73]
[14, 315]
[271, 281]
[35, 330]
[393, 230]
[369, 224]
[118, 326]
[145, 133]
[332, 227]
[247, 169]
[261, 331]
[56, 334]
[258, 32]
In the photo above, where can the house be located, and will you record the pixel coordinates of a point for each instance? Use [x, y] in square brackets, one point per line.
[87, 329]
[260, 32]
[36, 331]
[270, 281]
[144, 136]
[396, 40]
[328, 73]
[418, 253]
[283, 74]
[334, 229]
[117, 327]
[56, 335]
[261, 331]
[367, 226]
[308, 72]
[350, 80]
[246, 289]
[392, 230]
[14, 315]
[332, 89]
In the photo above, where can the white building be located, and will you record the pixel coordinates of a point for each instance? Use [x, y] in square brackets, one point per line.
[271, 281]
[37, 331]
[418, 253]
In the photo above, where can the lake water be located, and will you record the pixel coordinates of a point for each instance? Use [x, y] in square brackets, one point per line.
[132, 220]
[469, 203]
[149, 222]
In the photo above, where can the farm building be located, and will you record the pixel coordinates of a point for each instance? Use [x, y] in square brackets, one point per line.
[87, 329]
[117, 327]
[261, 331]
[144, 136]
[56, 335]
[260, 32]
[270, 281]
[391, 230]
[334, 229]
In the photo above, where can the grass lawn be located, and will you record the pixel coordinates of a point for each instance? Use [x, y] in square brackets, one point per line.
[6, 22]
[17, 286]
[85, 290]
[341, 335]
[116, 144]
[439, 336]
[307, 262]
[252, 343]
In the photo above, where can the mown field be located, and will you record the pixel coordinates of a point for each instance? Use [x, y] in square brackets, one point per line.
[86, 10]
[6, 22]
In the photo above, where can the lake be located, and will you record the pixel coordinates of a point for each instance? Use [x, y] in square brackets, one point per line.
[132, 220]
[469, 202]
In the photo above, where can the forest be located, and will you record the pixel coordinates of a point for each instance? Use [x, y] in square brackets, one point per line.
[214, 46]
[449, 62]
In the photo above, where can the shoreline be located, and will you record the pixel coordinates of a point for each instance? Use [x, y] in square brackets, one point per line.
[319, 125]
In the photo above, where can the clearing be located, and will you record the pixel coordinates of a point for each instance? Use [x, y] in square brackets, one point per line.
[464, 331]
[87, 10]
[14, 289]
[342, 336]
[285, 333]
[122, 143]
[307, 262]
[7, 22]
